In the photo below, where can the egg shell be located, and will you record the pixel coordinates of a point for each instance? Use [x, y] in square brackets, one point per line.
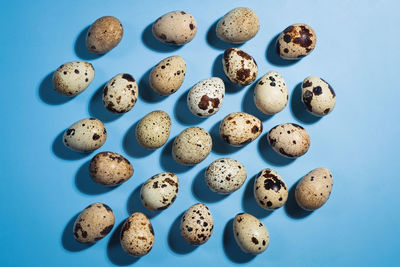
[270, 190]
[240, 128]
[104, 34]
[314, 189]
[85, 135]
[206, 97]
[250, 234]
[239, 67]
[296, 41]
[168, 75]
[176, 27]
[238, 26]
[191, 146]
[109, 168]
[160, 191]
[197, 224]
[318, 96]
[120, 93]
[289, 140]
[93, 223]
[153, 129]
[72, 78]
[225, 175]
[271, 94]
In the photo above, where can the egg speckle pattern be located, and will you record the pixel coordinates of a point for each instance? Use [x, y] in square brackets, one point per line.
[104, 34]
[168, 75]
[318, 96]
[271, 94]
[296, 41]
[73, 78]
[197, 224]
[153, 130]
[239, 67]
[240, 128]
[270, 190]
[120, 93]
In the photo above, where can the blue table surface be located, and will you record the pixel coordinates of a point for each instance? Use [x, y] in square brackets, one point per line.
[45, 186]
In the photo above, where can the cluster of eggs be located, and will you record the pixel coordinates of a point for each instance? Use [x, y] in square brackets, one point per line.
[193, 145]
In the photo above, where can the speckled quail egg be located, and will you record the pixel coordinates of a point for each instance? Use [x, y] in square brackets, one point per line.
[120, 93]
[318, 96]
[239, 67]
[168, 75]
[137, 235]
[225, 175]
[94, 223]
[109, 168]
[153, 130]
[270, 190]
[104, 34]
[85, 135]
[250, 234]
[176, 27]
[240, 128]
[296, 41]
[197, 224]
[73, 78]
[191, 146]
[238, 25]
[289, 140]
[206, 97]
[271, 94]
[314, 189]
[160, 191]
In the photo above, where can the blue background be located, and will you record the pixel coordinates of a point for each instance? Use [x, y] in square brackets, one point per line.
[44, 186]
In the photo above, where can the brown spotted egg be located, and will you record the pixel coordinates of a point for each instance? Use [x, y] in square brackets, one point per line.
[120, 93]
[160, 191]
[206, 97]
[168, 75]
[104, 34]
[85, 135]
[296, 41]
[240, 128]
[270, 191]
[318, 96]
[73, 78]
[197, 224]
[239, 67]
[153, 129]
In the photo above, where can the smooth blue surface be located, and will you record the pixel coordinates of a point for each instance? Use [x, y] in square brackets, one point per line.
[44, 186]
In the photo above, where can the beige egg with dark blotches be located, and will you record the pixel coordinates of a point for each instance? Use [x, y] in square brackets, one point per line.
[85, 135]
[153, 129]
[270, 190]
[191, 146]
[168, 75]
[137, 235]
[250, 233]
[239, 67]
[104, 34]
[240, 128]
[314, 189]
[93, 223]
[109, 168]
[176, 27]
[289, 140]
[120, 93]
[197, 224]
[318, 96]
[296, 41]
[238, 25]
[160, 191]
[73, 78]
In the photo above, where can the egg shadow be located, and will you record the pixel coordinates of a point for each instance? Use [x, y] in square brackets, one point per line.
[68, 241]
[269, 155]
[273, 57]
[249, 203]
[214, 41]
[175, 241]
[80, 48]
[61, 151]
[201, 191]
[97, 109]
[183, 114]
[115, 252]
[48, 94]
[134, 204]
[218, 71]
[146, 92]
[298, 109]
[220, 146]
[292, 209]
[168, 163]
[152, 43]
[250, 107]
[231, 248]
[131, 145]
[85, 183]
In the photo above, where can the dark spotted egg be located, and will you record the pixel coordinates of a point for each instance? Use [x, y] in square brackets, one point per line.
[318, 96]
[270, 190]
[72, 78]
[120, 93]
[239, 67]
[104, 34]
[296, 41]
[197, 224]
[240, 128]
[168, 75]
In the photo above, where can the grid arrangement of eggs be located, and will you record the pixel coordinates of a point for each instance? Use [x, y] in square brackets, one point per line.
[193, 145]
